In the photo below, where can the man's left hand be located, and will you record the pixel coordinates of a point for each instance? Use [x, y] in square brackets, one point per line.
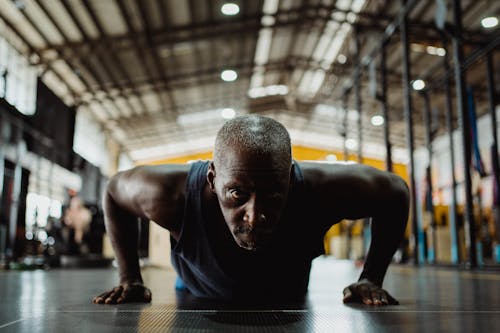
[367, 292]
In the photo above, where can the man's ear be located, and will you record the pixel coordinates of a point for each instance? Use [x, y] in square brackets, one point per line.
[211, 176]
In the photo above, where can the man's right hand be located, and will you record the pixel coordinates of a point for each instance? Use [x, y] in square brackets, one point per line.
[133, 292]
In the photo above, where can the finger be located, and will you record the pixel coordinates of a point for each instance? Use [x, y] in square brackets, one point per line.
[147, 295]
[365, 295]
[376, 295]
[123, 297]
[100, 298]
[348, 296]
[114, 295]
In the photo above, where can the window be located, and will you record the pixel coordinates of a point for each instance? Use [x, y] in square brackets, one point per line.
[17, 78]
[39, 208]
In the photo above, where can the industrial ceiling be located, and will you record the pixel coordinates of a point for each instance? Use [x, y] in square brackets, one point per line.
[152, 71]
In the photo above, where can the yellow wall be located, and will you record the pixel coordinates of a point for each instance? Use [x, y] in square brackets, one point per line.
[181, 159]
[299, 153]
[302, 153]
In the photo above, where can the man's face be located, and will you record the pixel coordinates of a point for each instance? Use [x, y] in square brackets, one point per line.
[252, 193]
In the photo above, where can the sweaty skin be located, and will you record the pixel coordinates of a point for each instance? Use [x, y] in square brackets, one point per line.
[247, 194]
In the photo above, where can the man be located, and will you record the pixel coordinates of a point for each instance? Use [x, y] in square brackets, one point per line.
[247, 225]
[78, 218]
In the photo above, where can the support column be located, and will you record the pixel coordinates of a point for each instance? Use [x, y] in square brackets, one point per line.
[431, 253]
[384, 108]
[417, 234]
[494, 150]
[464, 126]
[3, 144]
[345, 97]
[357, 92]
[455, 249]
[491, 107]
[15, 195]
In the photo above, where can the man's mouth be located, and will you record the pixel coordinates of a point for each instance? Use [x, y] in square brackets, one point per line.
[248, 231]
[252, 239]
[250, 246]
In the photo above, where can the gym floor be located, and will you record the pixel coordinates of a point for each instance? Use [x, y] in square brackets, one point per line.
[432, 300]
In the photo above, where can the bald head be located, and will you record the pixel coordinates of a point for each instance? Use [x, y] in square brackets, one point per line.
[254, 135]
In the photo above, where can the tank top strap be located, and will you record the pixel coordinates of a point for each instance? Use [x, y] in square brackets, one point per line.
[197, 176]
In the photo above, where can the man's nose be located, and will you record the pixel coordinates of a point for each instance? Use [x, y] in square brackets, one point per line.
[254, 214]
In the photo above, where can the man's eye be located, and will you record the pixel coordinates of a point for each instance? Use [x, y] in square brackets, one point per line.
[237, 194]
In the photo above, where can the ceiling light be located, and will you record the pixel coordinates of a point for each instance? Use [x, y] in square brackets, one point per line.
[440, 51]
[341, 59]
[228, 75]
[418, 84]
[377, 120]
[489, 22]
[432, 50]
[230, 9]
[228, 113]
[351, 144]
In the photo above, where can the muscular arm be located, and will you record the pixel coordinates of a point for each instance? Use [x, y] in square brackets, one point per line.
[155, 193]
[357, 191]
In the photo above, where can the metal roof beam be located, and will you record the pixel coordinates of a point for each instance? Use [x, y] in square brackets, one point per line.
[115, 59]
[70, 59]
[96, 75]
[153, 50]
[50, 67]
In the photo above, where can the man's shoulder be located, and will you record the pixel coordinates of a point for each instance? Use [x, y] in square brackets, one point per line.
[151, 178]
[336, 178]
[165, 169]
[330, 171]
[159, 171]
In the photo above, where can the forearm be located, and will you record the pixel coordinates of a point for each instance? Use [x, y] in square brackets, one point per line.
[123, 229]
[387, 235]
[387, 228]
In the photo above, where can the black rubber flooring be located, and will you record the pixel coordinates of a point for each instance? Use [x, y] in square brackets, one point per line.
[432, 300]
